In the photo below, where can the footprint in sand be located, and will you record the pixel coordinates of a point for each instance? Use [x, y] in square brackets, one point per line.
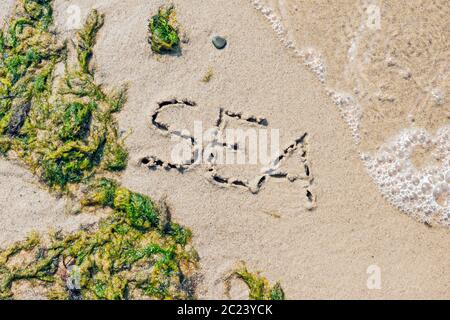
[390, 81]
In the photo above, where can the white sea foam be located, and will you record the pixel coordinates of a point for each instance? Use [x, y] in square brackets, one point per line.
[311, 57]
[347, 104]
[350, 110]
[423, 193]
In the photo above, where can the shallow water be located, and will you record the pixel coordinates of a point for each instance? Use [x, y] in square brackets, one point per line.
[386, 65]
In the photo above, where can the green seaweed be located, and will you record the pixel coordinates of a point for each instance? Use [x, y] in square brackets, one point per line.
[76, 120]
[69, 133]
[5, 145]
[129, 256]
[259, 287]
[68, 136]
[115, 157]
[87, 37]
[140, 211]
[163, 35]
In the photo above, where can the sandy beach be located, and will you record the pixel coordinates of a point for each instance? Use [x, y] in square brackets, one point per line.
[321, 234]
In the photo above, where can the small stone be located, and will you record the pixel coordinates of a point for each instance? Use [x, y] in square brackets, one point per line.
[219, 42]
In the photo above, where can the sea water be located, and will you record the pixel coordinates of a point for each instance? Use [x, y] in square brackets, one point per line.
[386, 67]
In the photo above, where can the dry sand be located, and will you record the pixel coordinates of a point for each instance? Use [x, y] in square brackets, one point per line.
[5, 10]
[27, 206]
[320, 253]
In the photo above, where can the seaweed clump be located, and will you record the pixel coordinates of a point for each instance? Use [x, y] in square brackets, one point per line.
[64, 129]
[64, 132]
[86, 39]
[135, 253]
[163, 32]
[259, 287]
[208, 76]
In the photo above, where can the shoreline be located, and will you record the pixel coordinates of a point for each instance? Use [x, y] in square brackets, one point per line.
[323, 253]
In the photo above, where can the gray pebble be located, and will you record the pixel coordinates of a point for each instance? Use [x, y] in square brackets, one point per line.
[219, 42]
